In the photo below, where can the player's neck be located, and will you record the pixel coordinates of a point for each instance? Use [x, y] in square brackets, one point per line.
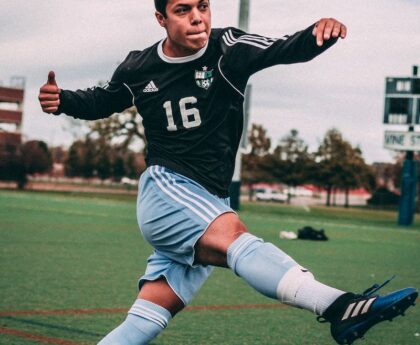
[174, 50]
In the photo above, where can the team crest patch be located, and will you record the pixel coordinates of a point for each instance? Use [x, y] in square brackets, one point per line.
[204, 78]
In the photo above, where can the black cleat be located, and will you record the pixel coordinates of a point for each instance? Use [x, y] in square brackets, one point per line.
[352, 315]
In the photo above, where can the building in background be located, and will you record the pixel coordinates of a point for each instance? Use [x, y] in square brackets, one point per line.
[11, 115]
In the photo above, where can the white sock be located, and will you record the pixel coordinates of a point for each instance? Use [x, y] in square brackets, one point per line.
[276, 275]
[299, 288]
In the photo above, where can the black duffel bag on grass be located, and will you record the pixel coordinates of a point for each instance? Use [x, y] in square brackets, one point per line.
[309, 233]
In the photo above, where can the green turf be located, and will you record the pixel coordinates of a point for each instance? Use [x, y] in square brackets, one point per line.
[73, 251]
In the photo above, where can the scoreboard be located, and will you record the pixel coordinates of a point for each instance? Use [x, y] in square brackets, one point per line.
[402, 101]
[402, 107]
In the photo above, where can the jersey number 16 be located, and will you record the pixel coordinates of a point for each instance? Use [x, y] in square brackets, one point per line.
[190, 117]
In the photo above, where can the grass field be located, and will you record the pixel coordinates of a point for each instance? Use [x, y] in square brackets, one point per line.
[70, 263]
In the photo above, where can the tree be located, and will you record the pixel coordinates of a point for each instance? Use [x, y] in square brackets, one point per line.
[36, 157]
[81, 159]
[387, 174]
[58, 154]
[121, 133]
[73, 165]
[339, 165]
[103, 164]
[125, 130]
[107, 148]
[356, 173]
[76, 128]
[260, 143]
[291, 161]
[134, 164]
[89, 158]
[292, 148]
[328, 158]
[32, 157]
[12, 169]
[97, 157]
[118, 167]
[255, 165]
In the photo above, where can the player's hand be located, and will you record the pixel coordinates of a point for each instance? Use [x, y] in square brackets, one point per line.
[327, 28]
[49, 95]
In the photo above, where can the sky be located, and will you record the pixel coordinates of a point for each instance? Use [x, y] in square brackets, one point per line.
[84, 40]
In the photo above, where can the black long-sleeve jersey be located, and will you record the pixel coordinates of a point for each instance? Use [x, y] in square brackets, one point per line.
[192, 107]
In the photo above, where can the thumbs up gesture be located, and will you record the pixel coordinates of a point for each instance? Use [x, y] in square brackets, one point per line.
[49, 95]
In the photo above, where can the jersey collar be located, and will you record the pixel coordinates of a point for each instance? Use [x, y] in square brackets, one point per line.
[182, 59]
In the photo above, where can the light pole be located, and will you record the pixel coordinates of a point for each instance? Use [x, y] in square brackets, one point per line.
[235, 188]
[244, 15]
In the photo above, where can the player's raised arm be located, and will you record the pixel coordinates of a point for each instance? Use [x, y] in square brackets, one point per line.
[246, 54]
[89, 104]
[49, 95]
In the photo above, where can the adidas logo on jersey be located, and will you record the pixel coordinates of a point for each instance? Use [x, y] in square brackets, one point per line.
[151, 87]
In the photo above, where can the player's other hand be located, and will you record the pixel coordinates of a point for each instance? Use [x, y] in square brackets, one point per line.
[327, 28]
[49, 95]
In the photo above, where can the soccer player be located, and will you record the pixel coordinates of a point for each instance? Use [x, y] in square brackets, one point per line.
[189, 89]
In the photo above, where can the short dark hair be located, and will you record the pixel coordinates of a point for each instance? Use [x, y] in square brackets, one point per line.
[160, 6]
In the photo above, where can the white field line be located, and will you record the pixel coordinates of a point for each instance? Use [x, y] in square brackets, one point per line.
[326, 223]
[74, 212]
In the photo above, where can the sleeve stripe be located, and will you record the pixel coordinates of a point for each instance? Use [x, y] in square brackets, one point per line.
[267, 39]
[253, 40]
[229, 43]
[230, 40]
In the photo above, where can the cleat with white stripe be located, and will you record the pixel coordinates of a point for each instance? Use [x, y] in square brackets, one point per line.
[352, 315]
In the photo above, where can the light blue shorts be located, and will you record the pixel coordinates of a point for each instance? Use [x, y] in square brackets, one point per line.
[173, 212]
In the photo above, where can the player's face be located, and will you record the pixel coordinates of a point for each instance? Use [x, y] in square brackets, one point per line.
[188, 26]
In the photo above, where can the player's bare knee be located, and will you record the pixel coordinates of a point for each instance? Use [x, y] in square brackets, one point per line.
[222, 232]
[236, 231]
[212, 247]
[159, 292]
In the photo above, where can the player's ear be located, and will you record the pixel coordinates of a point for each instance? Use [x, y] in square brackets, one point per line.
[161, 19]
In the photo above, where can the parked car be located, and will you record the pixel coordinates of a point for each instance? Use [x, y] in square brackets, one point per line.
[129, 182]
[298, 191]
[270, 195]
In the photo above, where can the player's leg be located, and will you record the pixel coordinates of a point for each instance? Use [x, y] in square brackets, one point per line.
[159, 292]
[170, 222]
[270, 271]
[156, 304]
[265, 267]
[166, 287]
